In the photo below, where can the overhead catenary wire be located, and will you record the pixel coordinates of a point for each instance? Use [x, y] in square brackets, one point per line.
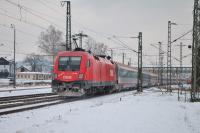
[53, 9]
[165, 52]
[26, 22]
[181, 36]
[32, 12]
[23, 53]
[19, 30]
[126, 45]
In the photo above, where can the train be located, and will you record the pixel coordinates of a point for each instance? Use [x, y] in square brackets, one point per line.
[78, 73]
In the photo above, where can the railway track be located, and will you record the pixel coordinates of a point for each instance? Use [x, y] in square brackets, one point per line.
[14, 98]
[28, 102]
[21, 103]
[15, 104]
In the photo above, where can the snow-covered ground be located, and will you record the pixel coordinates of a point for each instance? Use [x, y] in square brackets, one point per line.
[149, 112]
[9, 91]
[4, 81]
[23, 82]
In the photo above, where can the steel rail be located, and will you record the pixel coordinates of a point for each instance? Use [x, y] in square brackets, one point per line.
[25, 96]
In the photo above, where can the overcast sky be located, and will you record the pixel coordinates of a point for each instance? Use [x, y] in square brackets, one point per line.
[100, 19]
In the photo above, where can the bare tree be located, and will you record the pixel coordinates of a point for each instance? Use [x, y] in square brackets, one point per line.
[35, 62]
[51, 41]
[95, 47]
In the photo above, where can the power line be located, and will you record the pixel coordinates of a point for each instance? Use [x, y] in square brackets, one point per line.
[165, 52]
[23, 53]
[25, 33]
[181, 36]
[126, 45]
[53, 9]
[31, 11]
[109, 38]
[26, 22]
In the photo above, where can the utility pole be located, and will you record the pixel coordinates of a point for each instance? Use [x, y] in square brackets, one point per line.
[160, 73]
[129, 63]
[53, 52]
[140, 76]
[111, 54]
[169, 57]
[181, 56]
[181, 59]
[196, 53]
[14, 65]
[68, 25]
[81, 35]
[123, 56]
[139, 52]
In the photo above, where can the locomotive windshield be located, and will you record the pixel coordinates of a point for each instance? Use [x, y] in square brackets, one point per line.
[69, 63]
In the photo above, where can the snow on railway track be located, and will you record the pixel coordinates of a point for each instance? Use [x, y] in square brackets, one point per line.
[27, 102]
[12, 98]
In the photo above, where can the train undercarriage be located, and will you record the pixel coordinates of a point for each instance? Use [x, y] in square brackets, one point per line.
[81, 88]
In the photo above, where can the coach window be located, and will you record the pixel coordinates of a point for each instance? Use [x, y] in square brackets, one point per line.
[88, 63]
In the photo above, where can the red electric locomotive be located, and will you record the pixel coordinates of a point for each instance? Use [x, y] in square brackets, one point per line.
[77, 73]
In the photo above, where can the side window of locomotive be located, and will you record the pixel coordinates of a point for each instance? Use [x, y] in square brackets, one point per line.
[88, 64]
[63, 63]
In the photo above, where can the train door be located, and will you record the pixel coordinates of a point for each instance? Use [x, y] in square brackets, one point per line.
[88, 74]
[100, 75]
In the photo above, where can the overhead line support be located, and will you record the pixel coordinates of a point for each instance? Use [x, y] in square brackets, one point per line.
[195, 91]
[140, 76]
[68, 25]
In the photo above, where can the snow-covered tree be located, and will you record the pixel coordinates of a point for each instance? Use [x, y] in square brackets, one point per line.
[35, 62]
[95, 47]
[51, 41]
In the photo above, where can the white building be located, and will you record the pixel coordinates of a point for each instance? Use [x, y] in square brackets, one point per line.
[5, 68]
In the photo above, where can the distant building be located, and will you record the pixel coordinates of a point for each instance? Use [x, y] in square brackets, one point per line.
[6, 68]
[33, 76]
[22, 69]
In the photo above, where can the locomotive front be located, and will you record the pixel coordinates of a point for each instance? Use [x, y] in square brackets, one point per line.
[69, 70]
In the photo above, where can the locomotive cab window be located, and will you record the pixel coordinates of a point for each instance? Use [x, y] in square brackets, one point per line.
[69, 63]
[88, 64]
